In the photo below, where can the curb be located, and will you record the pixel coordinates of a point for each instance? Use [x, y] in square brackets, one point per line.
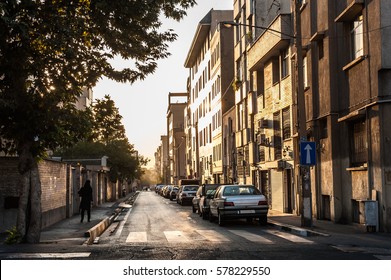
[297, 230]
[97, 230]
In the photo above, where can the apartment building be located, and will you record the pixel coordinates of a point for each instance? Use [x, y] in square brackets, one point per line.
[85, 99]
[263, 99]
[177, 103]
[162, 161]
[270, 101]
[347, 93]
[209, 61]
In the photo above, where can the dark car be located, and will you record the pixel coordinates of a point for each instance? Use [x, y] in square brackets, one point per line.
[174, 192]
[207, 193]
[237, 202]
[201, 199]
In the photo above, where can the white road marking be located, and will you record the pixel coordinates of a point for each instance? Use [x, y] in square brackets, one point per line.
[251, 236]
[289, 236]
[176, 236]
[48, 255]
[212, 235]
[139, 236]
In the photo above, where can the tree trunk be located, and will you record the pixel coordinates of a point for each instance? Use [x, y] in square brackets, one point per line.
[29, 213]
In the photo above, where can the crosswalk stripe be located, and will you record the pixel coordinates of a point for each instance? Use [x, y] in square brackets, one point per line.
[48, 255]
[139, 236]
[212, 235]
[175, 236]
[251, 236]
[289, 236]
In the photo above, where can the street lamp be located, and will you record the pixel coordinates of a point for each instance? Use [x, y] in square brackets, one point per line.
[230, 24]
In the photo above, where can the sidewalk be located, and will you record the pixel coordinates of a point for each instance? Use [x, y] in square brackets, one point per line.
[72, 230]
[292, 222]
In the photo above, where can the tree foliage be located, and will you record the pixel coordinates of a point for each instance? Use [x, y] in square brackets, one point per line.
[107, 124]
[52, 49]
[108, 139]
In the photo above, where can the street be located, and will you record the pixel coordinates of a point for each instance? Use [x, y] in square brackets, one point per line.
[157, 228]
[154, 228]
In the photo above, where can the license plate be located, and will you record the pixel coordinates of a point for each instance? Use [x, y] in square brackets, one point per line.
[247, 211]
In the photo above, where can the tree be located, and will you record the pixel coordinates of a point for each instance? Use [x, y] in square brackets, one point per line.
[107, 125]
[49, 51]
[108, 139]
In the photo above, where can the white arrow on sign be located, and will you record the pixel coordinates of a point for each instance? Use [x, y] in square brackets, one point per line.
[308, 149]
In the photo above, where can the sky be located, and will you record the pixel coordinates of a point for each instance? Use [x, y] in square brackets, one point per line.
[143, 105]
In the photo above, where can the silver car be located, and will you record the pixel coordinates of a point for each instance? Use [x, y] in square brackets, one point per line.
[186, 193]
[237, 202]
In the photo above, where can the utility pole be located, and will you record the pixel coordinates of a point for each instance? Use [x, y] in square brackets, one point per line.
[305, 203]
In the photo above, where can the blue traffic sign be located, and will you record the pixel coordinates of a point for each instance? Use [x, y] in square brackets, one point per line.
[307, 153]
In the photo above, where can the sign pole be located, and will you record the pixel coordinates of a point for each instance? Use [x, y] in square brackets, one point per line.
[306, 205]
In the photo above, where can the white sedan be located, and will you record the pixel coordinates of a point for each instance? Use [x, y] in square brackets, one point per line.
[237, 202]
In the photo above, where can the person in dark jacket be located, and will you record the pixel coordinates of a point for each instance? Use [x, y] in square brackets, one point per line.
[86, 198]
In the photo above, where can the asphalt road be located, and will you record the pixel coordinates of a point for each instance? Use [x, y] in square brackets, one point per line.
[156, 228]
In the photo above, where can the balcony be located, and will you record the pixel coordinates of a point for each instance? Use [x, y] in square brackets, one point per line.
[275, 38]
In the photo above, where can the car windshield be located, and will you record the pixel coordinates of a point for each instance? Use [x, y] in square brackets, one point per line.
[190, 188]
[210, 192]
[240, 190]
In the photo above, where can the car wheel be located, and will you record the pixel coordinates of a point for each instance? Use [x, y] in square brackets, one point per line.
[263, 220]
[220, 217]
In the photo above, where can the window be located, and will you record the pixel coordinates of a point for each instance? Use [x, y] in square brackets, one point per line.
[284, 64]
[359, 145]
[357, 37]
[286, 123]
[239, 70]
[261, 153]
[277, 136]
[305, 72]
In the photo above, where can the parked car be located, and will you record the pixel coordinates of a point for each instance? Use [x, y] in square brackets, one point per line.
[167, 191]
[174, 192]
[158, 188]
[196, 199]
[186, 194]
[237, 202]
[207, 193]
[161, 191]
